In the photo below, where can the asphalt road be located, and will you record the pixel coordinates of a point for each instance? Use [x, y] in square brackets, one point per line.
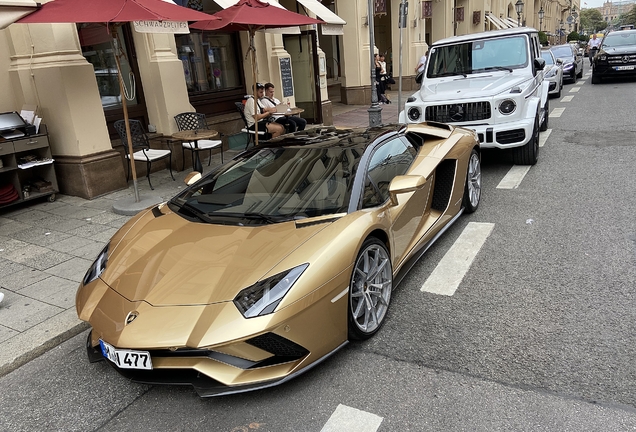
[539, 335]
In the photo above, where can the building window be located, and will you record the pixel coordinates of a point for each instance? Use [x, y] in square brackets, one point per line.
[97, 47]
[209, 61]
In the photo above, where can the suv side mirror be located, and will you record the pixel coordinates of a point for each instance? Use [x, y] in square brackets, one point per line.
[418, 77]
[539, 64]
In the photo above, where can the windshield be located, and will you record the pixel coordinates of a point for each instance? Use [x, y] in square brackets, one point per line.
[274, 185]
[478, 56]
[549, 60]
[614, 40]
[562, 52]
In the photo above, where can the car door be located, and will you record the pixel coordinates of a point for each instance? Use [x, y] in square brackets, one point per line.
[391, 159]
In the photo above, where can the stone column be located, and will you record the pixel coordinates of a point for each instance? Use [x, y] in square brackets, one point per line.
[355, 55]
[47, 69]
[161, 71]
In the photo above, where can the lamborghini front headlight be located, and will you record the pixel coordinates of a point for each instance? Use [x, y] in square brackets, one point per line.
[98, 266]
[263, 297]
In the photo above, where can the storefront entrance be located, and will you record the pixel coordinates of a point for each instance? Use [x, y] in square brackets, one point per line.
[304, 59]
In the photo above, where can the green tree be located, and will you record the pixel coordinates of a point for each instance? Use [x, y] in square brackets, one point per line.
[573, 36]
[592, 20]
[543, 38]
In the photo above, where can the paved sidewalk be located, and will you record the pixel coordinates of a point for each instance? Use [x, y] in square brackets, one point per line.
[46, 248]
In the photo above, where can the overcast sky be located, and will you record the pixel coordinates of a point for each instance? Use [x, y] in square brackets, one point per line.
[591, 3]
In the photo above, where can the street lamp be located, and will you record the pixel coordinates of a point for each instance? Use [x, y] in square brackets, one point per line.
[541, 15]
[575, 15]
[561, 31]
[375, 111]
[519, 9]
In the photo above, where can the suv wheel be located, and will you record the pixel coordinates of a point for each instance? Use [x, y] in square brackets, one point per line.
[596, 79]
[529, 153]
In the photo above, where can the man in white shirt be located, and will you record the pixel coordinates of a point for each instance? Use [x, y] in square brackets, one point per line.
[592, 47]
[422, 63]
[291, 123]
[259, 120]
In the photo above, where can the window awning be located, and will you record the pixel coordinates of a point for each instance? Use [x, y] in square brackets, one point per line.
[500, 23]
[493, 22]
[13, 10]
[334, 24]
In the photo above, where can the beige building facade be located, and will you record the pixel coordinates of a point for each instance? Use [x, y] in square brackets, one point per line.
[67, 72]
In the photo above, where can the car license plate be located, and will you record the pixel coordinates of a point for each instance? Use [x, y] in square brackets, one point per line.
[624, 68]
[125, 358]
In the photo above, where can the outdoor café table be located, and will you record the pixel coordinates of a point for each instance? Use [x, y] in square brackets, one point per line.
[194, 136]
[294, 111]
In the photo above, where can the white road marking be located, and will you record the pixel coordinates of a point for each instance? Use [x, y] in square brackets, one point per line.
[349, 419]
[567, 98]
[557, 112]
[575, 89]
[543, 137]
[450, 271]
[513, 178]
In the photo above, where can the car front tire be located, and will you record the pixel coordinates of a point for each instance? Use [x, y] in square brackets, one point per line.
[529, 153]
[472, 190]
[596, 79]
[370, 290]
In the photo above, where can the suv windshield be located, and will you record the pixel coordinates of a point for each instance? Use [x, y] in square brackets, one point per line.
[478, 56]
[613, 40]
[274, 185]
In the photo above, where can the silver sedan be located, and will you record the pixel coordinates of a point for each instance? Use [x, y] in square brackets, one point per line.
[553, 73]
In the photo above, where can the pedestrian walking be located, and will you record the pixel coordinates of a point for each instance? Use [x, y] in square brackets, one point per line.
[422, 63]
[592, 47]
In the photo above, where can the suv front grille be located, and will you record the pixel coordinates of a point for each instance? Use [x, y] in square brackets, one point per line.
[623, 59]
[459, 112]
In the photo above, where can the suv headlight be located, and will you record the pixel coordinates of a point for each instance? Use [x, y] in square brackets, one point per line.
[414, 114]
[507, 106]
[98, 266]
[603, 57]
[263, 297]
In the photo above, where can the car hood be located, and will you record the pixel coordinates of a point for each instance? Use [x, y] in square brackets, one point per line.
[470, 87]
[630, 49]
[169, 260]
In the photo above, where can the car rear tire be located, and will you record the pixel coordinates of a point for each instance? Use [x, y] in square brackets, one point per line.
[529, 153]
[472, 190]
[369, 290]
[546, 116]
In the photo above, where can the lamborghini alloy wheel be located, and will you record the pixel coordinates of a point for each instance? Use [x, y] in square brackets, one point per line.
[370, 289]
[472, 193]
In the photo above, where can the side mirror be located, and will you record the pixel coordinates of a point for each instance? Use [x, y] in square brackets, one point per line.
[418, 77]
[192, 178]
[539, 64]
[404, 184]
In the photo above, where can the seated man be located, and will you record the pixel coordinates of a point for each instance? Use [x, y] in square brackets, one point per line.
[292, 123]
[259, 121]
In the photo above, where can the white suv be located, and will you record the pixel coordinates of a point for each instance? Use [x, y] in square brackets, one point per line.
[491, 82]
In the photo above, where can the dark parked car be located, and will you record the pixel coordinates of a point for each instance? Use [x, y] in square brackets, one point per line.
[572, 60]
[616, 57]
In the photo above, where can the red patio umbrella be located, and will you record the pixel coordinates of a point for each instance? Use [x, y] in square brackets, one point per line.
[253, 15]
[113, 13]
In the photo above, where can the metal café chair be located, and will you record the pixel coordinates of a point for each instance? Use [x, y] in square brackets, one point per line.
[262, 135]
[141, 147]
[194, 121]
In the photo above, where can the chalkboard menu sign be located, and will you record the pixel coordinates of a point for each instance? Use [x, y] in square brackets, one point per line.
[286, 73]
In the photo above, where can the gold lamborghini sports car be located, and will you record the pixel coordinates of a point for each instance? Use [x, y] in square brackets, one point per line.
[269, 264]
